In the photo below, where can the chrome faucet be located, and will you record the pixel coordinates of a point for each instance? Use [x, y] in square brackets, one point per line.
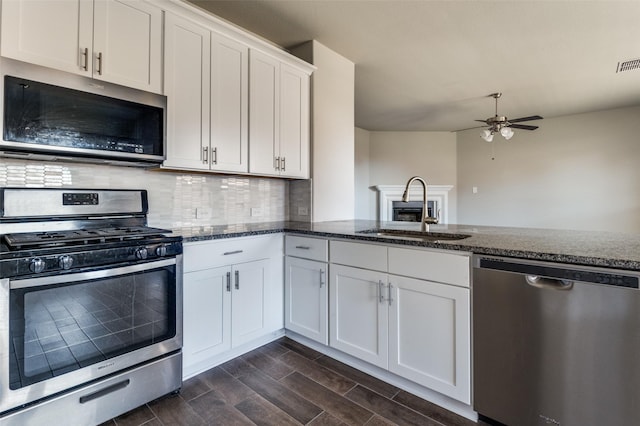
[426, 219]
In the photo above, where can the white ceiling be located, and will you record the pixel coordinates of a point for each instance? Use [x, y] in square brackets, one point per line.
[429, 65]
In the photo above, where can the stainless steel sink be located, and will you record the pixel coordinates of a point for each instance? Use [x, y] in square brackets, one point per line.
[415, 235]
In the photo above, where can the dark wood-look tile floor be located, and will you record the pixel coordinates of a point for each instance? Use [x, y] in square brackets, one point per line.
[286, 383]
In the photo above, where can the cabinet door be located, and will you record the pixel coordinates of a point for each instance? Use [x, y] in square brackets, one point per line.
[206, 317]
[51, 33]
[250, 297]
[229, 105]
[264, 116]
[306, 298]
[187, 79]
[127, 44]
[359, 313]
[294, 122]
[429, 335]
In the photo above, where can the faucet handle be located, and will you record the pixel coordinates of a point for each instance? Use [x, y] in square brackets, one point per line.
[431, 220]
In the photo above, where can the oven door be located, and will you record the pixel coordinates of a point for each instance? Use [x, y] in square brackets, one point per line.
[66, 330]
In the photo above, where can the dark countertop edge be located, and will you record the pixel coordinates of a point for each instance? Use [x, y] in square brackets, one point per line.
[516, 254]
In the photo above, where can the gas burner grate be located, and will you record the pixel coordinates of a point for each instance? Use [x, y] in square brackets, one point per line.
[79, 236]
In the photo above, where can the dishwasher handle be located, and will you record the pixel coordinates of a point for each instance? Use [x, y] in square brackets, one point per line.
[548, 283]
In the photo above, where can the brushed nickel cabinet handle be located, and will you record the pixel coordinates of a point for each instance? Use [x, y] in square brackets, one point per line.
[84, 58]
[205, 155]
[99, 67]
[237, 280]
[322, 280]
[389, 289]
[303, 247]
[227, 253]
[284, 164]
[228, 281]
[214, 160]
[380, 295]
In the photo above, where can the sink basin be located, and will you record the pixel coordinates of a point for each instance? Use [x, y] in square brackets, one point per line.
[416, 235]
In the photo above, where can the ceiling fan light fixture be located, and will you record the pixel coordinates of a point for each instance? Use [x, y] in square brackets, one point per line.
[501, 124]
[506, 133]
[487, 135]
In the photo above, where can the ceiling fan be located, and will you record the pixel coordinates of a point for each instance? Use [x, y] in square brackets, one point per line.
[502, 125]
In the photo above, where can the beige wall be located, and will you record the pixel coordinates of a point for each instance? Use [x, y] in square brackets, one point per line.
[332, 134]
[574, 172]
[365, 202]
[396, 156]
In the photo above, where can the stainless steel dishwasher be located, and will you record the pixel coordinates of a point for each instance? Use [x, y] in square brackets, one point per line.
[555, 344]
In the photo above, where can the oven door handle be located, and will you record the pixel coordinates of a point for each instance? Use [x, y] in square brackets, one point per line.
[91, 275]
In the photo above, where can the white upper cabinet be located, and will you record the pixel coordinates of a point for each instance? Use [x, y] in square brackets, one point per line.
[229, 105]
[279, 118]
[187, 70]
[206, 83]
[127, 44]
[118, 41]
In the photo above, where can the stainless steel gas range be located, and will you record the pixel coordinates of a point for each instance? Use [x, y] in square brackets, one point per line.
[90, 306]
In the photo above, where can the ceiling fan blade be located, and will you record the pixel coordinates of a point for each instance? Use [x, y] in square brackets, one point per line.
[481, 121]
[469, 128]
[518, 120]
[523, 126]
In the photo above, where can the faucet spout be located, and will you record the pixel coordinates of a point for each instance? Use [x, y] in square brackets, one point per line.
[426, 219]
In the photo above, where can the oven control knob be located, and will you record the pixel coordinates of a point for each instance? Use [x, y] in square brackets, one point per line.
[141, 253]
[37, 265]
[65, 262]
[161, 251]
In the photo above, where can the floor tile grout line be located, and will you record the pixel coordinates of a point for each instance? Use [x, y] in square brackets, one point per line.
[414, 410]
[373, 413]
[268, 402]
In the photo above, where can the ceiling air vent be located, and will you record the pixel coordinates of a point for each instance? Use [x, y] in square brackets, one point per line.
[632, 64]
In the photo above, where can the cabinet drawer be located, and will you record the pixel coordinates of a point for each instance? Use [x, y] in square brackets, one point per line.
[430, 265]
[367, 256]
[306, 247]
[211, 254]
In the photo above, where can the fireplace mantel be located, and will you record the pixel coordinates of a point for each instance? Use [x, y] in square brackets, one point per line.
[387, 194]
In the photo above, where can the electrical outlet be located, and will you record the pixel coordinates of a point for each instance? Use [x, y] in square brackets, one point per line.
[256, 211]
[475, 190]
[303, 211]
[203, 213]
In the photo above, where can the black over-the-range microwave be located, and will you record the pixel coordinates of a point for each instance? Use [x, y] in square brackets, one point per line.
[48, 121]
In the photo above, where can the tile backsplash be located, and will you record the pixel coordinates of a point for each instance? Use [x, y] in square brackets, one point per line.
[175, 199]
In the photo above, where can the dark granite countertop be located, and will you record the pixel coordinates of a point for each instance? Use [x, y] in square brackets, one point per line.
[606, 249]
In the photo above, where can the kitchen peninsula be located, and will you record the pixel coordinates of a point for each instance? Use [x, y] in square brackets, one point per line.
[376, 295]
[604, 249]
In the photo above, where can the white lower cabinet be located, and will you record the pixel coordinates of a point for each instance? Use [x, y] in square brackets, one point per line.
[306, 298]
[359, 313]
[306, 289]
[207, 314]
[249, 301]
[429, 335]
[416, 328]
[228, 306]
